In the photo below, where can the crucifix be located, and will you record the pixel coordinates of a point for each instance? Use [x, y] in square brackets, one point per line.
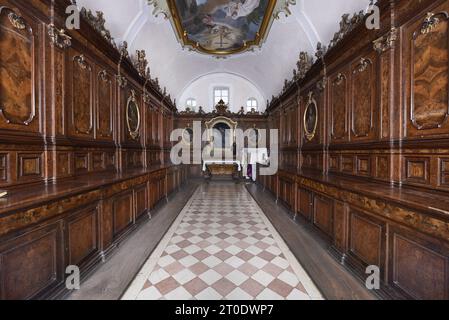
[222, 33]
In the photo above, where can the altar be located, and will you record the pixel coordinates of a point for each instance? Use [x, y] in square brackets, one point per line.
[219, 170]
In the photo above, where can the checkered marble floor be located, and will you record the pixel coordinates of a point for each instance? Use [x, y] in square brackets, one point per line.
[222, 247]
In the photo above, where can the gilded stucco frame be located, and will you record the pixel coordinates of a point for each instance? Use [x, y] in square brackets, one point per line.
[132, 99]
[257, 42]
[311, 102]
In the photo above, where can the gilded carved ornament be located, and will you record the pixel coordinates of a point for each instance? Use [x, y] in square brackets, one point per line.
[17, 21]
[58, 37]
[386, 42]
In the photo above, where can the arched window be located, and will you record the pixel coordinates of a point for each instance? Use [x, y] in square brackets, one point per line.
[191, 104]
[252, 104]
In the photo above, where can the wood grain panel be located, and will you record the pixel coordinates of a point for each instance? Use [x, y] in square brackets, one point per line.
[30, 166]
[82, 108]
[19, 72]
[141, 200]
[105, 105]
[417, 170]
[339, 107]
[123, 213]
[347, 164]
[367, 239]
[81, 162]
[382, 167]
[418, 270]
[444, 171]
[428, 77]
[323, 214]
[363, 93]
[3, 167]
[31, 263]
[340, 226]
[364, 165]
[82, 235]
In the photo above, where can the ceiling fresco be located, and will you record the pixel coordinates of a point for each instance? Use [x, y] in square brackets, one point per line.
[222, 27]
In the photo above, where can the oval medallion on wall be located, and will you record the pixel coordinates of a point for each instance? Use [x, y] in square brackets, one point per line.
[133, 116]
[310, 118]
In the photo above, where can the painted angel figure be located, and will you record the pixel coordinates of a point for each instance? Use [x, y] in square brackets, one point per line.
[237, 9]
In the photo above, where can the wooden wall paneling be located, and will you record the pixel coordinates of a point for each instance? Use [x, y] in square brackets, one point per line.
[305, 204]
[367, 241]
[426, 59]
[141, 200]
[418, 265]
[31, 264]
[339, 106]
[340, 228]
[21, 69]
[82, 232]
[123, 212]
[105, 99]
[323, 214]
[81, 83]
[363, 92]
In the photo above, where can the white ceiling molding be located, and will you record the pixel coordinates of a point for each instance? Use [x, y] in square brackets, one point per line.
[307, 25]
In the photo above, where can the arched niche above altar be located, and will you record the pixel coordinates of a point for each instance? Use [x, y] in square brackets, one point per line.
[221, 132]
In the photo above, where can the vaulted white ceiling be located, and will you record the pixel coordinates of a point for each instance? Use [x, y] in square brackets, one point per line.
[311, 21]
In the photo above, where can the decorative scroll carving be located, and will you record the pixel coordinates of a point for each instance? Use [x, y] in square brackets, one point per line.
[386, 42]
[304, 64]
[321, 85]
[17, 21]
[320, 51]
[98, 22]
[81, 60]
[430, 23]
[221, 108]
[347, 24]
[282, 6]
[123, 50]
[103, 75]
[141, 62]
[363, 64]
[58, 37]
[160, 7]
[339, 80]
